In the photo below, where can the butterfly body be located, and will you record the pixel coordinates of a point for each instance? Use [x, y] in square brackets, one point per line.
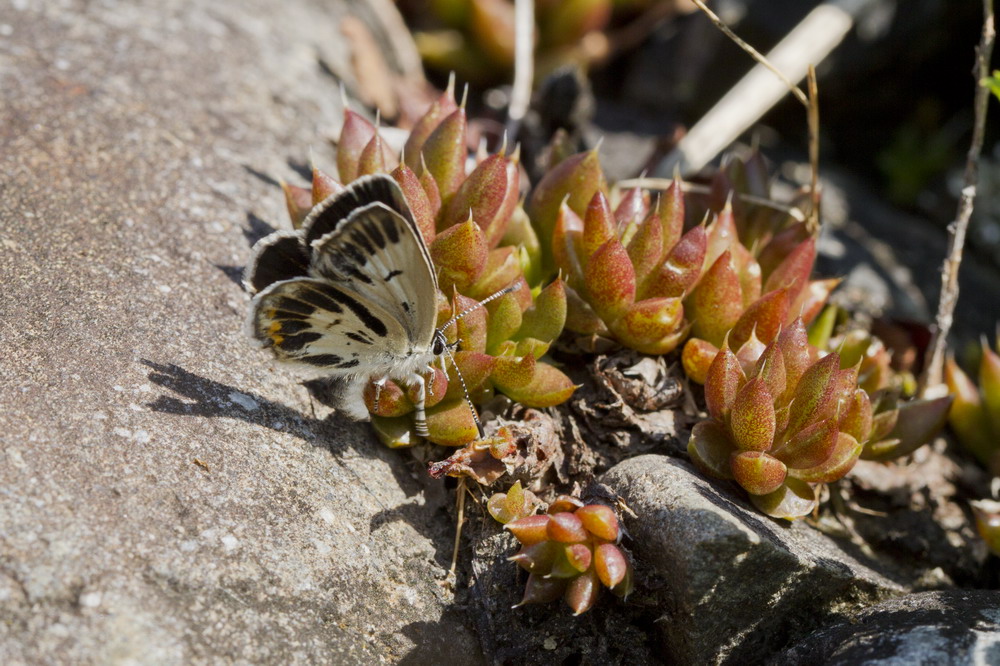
[352, 294]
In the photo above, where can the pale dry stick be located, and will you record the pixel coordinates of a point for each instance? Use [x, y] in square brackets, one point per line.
[524, 64]
[664, 183]
[930, 378]
[754, 53]
[458, 528]
[764, 85]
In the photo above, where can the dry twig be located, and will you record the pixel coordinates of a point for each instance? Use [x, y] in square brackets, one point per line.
[809, 42]
[930, 378]
[754, 53]
[812, 113]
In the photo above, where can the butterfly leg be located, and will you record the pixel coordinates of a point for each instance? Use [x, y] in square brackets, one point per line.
[379, 385]
[420, 416]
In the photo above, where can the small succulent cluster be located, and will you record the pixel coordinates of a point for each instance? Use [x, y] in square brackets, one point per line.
[975, 416]
[569, 552]
[788, 417]
[480, 242]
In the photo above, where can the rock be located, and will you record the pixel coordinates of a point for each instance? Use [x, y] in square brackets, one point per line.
[941, 628]
[166, 494]
[729, 584]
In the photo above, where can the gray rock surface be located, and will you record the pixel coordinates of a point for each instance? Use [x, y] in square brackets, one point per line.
[951, 628]
[166, 495]
[732, 586]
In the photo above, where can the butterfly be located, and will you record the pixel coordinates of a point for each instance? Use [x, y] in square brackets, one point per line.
[351, 294]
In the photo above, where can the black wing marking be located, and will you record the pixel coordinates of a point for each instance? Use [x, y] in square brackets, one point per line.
[276, 257]
[326, 326]
[327, 215]
[382, 255]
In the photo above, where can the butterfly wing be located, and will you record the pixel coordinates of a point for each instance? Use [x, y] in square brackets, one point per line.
[279, 256]
[327, 326]
[381, 255]
[335, 209]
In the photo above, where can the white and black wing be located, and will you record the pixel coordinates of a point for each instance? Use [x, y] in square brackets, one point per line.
[351, 293]
[379, 253]
[329, 327]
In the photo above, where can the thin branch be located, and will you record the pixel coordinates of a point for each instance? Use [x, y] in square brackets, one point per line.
[813, 121]
[460, 500]
[754, 53]
[664, 183]
[524, 64]
[930, 378]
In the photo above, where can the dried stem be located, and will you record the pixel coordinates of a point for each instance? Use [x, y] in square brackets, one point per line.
[930, 378]
[460, 500]
[812, 114]
[754, 53]
[664, 183]
[810, 102]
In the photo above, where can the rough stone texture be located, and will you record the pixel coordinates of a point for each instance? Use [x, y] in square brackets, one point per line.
[166, 495]
[732, 586]
[931, 628]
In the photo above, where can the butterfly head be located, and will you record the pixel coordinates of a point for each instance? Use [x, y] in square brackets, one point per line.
[439, 344]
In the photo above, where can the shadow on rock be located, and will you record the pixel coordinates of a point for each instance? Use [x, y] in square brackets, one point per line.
[439, 643]
[257, 228]
[209, 398]
[234, 273]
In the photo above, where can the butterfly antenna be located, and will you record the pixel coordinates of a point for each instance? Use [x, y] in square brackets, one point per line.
[465, 392]
[491, 297]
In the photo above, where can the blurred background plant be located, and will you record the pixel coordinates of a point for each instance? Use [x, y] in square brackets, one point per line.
[475, 38]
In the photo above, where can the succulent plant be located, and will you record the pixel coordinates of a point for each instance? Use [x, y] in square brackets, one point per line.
[782, 423]
[464, 220]
[987, 515]
[512, 505]
[785, 417]
[571, 552]
[636, 276]
[975, 416]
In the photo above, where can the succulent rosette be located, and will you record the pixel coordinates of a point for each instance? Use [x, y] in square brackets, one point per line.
[464, 219]
[975, 416]
[782, 423]
[786, 416]
[570, 552]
